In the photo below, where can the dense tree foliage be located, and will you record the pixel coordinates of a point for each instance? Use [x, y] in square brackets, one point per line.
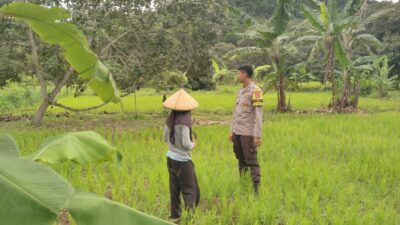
[265, 8]
[142, 39]
[386, 28]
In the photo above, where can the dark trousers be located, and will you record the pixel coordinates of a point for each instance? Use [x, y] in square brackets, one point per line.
[246, 153]
[182, 179]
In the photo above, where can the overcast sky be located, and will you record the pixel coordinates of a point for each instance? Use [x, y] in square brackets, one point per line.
[387, 0]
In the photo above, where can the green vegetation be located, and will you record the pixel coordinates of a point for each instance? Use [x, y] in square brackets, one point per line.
[330, 72]
[44, 196]
[276, 46]
[221, 101]
[17, 95]
[48, 25]
[316, 169]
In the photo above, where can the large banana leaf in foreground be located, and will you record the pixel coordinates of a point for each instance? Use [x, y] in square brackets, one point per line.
[8, 146]
[30, 193]
[89, 209]
[33, 194]
[49, 24]
[80, 147]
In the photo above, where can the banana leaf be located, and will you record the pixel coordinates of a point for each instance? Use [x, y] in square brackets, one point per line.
[312, 18]
[80, 147]
[341, 54]
[280, 18]
[324, 17]
[215, 66]
[30, 193]
[50, 25]
[8, 146]
[89, 209]
[241, 52]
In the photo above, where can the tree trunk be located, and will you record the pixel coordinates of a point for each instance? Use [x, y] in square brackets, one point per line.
[38, 118]
[345, 98]
[281, 107]
[357, 93]
[330, 71]
[136, 112]
[382, 92]
[278, 99]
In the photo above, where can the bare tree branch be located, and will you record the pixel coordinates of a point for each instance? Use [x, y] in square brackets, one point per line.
[84, 109]
[79, 110]
[67, 76]
[62, 82]
[104, 51]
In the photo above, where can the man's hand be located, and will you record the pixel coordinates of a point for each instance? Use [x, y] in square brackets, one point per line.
[194, 143]
[257, 141]
[231, 137]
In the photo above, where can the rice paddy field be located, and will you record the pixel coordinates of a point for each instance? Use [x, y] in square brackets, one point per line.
[317, 169]
[221, 101]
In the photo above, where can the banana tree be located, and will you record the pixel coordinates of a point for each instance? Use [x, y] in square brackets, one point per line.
[291, 75]
[222, 74]
[300, 74]
[357, 71]
[328, 26]
[260, 71]
[52, 26]
[42, 195]
[380, 76]
[351, 38]
[274, 44]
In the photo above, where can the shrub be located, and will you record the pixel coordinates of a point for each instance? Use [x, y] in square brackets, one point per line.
[311, 86]
[169, 80]
[16, 95]
[367, 87]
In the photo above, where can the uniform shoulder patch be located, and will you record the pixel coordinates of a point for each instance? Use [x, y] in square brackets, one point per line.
[257, 98]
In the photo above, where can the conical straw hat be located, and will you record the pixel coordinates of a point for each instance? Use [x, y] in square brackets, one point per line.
[181, 101]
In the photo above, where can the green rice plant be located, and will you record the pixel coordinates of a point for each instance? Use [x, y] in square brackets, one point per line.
[316, 169]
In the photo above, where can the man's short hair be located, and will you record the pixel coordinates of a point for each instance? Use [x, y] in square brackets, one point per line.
[247, 69]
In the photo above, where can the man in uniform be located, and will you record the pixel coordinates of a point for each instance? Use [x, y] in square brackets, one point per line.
[246, 126]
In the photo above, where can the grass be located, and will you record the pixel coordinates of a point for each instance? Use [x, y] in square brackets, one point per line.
[220, 101]
[338, 169]
[316, 169]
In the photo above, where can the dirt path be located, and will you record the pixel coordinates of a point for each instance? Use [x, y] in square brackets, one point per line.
[88, 121]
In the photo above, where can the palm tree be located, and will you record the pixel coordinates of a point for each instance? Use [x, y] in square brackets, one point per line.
[222, 74]
[351, 38]
[328, 25]
[277, 51]
[274, 44]
[341, 33]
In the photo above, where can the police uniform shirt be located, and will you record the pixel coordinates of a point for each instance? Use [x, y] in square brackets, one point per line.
[248, 112]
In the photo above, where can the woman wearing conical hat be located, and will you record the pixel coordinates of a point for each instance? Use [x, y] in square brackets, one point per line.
[178, 135]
